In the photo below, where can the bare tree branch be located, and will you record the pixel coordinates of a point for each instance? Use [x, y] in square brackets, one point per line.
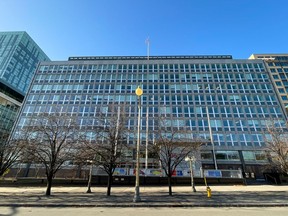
[171, 147]
[277, 146]
[108, 142]
[51, 142]
[10, 150]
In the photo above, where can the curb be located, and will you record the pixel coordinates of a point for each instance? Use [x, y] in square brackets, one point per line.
[144, 206]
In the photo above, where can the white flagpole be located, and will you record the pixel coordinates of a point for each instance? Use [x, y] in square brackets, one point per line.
[147, 41]
[147, 140]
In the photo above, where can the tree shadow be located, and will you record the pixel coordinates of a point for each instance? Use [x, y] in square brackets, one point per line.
[13, 211]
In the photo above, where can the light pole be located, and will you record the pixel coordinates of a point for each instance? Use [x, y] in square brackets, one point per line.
[211, 138]
[137, 198]
[191, 159]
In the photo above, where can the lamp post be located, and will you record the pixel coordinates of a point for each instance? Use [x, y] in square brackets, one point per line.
[211, 138]
[191, 159]
[137, 198]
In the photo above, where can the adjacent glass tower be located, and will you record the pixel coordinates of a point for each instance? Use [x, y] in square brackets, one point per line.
[238, 94]
[19, 56]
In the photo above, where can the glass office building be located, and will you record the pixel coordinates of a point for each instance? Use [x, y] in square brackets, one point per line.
[238, 96]
[19, 56]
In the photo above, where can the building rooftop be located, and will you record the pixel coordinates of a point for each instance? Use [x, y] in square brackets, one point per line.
[88, 58]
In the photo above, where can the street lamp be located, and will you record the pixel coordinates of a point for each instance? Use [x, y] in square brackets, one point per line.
[137, 198]
[211, 138]
[191, 159]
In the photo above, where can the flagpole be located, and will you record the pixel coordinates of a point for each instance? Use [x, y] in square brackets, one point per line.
[147, 140]
[148, 48]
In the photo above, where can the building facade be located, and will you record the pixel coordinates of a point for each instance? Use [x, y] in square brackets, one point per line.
[233, 98]
[277, 65]
[19, 56]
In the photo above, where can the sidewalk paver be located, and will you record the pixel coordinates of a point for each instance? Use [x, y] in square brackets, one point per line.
[222, 196]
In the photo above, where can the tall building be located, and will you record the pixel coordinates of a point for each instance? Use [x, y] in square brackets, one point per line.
[236, 97]
[277, 65]
[19, 56]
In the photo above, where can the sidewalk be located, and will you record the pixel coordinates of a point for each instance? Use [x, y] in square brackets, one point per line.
[222, 196]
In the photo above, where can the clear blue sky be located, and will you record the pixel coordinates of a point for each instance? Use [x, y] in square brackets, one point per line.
[64, 28]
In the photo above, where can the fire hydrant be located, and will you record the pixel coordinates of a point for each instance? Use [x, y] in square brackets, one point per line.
[209, 194]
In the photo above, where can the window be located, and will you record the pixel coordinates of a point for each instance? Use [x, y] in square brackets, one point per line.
[228, 155]
[254, 156]
[207, 155]
[278, 83]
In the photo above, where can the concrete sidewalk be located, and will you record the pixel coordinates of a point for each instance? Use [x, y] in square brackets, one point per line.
[222, 196]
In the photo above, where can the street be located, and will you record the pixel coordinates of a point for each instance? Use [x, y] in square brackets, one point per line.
[36, 211]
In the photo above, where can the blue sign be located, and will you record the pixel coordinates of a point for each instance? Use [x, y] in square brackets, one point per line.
[213, 173]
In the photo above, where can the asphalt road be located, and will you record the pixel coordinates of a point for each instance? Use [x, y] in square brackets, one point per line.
[36, 211]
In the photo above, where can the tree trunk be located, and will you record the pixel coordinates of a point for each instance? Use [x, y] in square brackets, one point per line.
[109, 184]
[90, 180]
[170, 185]
[49, 184]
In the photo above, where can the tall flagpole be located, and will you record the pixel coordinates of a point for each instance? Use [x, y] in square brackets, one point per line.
[147, 41]
[211, 138]
[147, 140]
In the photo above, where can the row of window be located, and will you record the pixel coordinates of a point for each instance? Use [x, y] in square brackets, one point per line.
[153, 88]
[178, 111]
[246, 118]
[260, 104]
[277, 64]
[8, 113]
[279, 70]
[233, 99]
[184, 78]
[248, 156]
[240, 67]
[219, 138]
[178, 99]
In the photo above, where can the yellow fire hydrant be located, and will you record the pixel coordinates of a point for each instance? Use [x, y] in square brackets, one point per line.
[209, 193]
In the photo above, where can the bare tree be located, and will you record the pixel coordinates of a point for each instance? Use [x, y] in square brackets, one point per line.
[52, 141]
[171, 147]
[277, 146]
[108, 142]
[10, 151]
[10, 147]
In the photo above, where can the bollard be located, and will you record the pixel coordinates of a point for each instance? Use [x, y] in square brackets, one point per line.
[209, 194]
